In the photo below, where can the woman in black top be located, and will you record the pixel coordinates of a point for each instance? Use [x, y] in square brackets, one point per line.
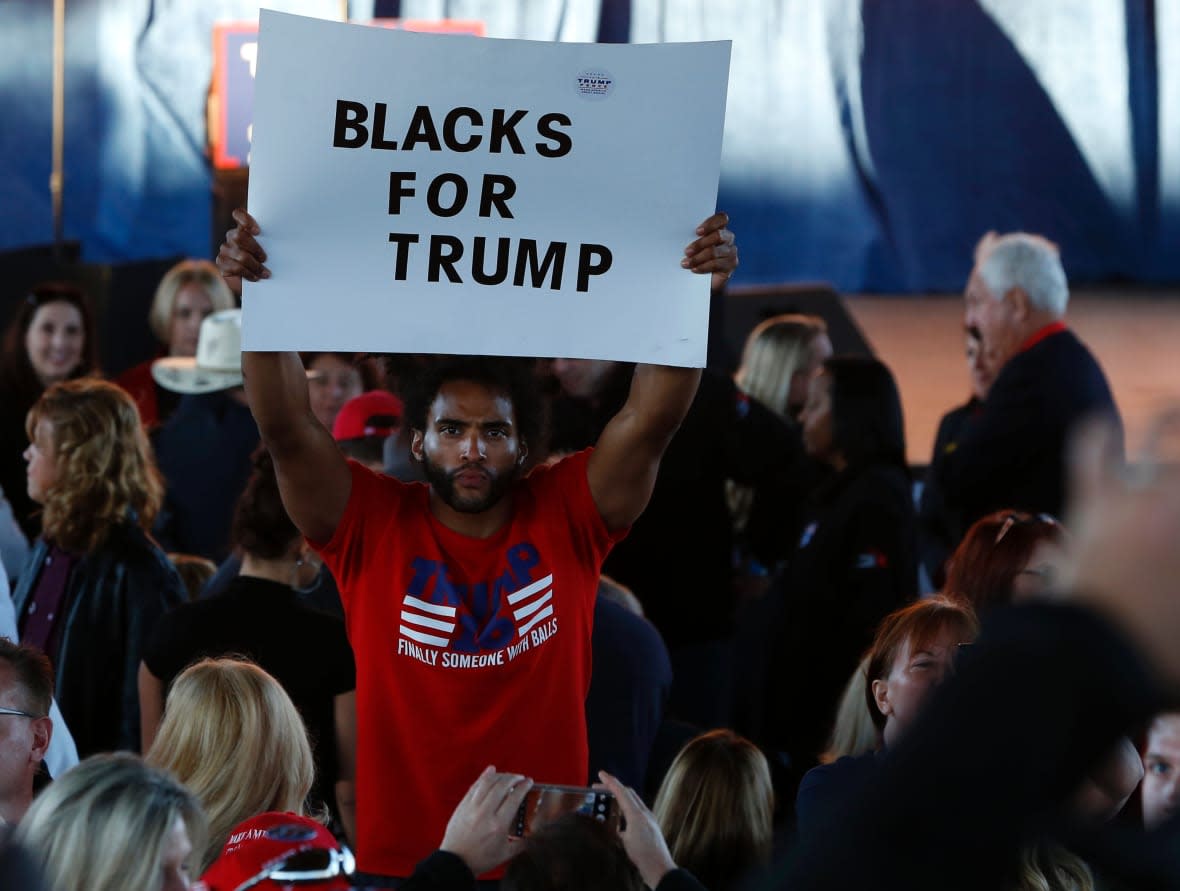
[854, 563]
[262, 617]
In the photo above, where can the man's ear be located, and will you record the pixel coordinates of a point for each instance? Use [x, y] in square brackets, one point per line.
[42, 735]
[524, 452]
[417, 445]
[881, 697]
[1019, 304]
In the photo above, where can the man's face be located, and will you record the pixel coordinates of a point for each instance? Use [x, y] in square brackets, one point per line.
[1161, 770]
[23, 741]
[981, 366]
[996, 317]
[582, 378]
[471, 451]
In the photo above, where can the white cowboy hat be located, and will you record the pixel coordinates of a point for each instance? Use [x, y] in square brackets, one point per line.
[218, 363]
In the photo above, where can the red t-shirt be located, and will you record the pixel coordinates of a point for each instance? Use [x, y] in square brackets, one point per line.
[469, 651]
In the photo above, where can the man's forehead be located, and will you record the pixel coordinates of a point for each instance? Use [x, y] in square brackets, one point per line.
[472, 401]
[976, 288]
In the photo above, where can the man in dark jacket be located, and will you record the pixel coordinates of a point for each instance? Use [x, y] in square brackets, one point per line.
[1010, 454]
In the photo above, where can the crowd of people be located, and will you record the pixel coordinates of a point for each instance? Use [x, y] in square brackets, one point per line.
[270, 609]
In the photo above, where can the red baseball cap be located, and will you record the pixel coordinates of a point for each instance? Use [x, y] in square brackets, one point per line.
[286, 842]
[375, 413]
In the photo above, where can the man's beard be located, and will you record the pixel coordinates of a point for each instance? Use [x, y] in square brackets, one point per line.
[443, 483]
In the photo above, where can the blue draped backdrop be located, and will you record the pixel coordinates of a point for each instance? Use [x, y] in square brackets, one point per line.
[868, 143]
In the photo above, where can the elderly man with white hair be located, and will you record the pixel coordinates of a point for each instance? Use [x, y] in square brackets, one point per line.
[1011, 453]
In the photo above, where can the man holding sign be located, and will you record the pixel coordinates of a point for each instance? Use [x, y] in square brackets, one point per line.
[469, 600]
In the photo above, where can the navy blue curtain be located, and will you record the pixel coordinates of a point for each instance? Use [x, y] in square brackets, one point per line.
[869, 143]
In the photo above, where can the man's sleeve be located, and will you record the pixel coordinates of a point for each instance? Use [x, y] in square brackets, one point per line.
[566, 484]
[1008, 434]
[371, 499]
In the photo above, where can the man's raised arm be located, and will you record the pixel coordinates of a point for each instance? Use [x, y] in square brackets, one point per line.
[313, 475]
[622, 470]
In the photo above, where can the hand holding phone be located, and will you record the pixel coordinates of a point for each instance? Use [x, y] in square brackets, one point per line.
[478, 831]
[543, 804]
[641, 836]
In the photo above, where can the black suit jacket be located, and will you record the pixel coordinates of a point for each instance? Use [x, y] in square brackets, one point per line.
[1011, 454]
[115, 596]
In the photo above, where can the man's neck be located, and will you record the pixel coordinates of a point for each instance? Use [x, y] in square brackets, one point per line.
[1038, 327]
[484, 524]
[1034, 325]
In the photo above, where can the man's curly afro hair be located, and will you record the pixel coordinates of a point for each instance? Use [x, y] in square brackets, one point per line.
[516, 378]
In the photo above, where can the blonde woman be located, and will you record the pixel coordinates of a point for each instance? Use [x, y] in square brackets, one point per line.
[95, 583]
[188, 292]
[780, 358]
[853, 732]
[232, 735]
[715, 808]
[111, 824]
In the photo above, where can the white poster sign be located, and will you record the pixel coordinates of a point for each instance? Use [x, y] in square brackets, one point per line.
[448, 194]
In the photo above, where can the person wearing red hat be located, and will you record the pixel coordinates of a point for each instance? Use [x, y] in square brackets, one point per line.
[363, 425]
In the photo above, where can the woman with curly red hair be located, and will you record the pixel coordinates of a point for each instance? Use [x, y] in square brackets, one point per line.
[95, 583]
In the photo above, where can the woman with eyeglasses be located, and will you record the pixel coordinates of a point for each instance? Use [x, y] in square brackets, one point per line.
[1009, 557]
[95, 582]
[50, 338]
[1006, 556]
[913, 652]
[113, 824]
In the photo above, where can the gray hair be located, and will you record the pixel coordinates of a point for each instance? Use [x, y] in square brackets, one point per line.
[1029, 262]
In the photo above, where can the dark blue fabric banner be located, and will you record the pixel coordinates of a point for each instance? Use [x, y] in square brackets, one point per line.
[869, 143]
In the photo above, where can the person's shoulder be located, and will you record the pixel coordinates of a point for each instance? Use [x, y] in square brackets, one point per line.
[322, 623]
[141, 559]
[370, 484]
[882, 483]
[633, 635]
[949, 424]
[844, 771]
[565, 471]
[128, 541]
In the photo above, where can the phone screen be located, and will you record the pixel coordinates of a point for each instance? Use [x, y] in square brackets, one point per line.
[544, 804]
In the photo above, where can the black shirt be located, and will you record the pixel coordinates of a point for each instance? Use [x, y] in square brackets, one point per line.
[306, 650]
